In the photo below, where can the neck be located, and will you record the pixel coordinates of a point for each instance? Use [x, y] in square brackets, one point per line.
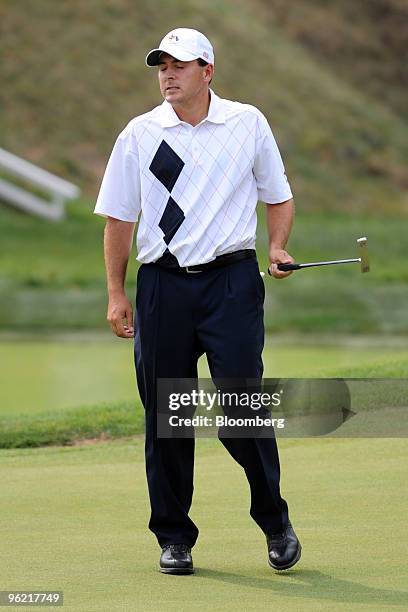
[195, 110]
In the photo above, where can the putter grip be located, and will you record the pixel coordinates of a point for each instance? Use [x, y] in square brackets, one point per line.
[285, 267]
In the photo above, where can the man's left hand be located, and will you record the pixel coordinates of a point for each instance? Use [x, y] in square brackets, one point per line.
[279, 256]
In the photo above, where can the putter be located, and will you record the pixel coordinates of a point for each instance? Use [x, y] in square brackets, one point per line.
[362, 251]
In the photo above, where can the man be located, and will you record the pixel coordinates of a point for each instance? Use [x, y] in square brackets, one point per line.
[191, 171]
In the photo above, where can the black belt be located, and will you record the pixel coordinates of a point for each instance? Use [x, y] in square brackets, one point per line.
[170, 262]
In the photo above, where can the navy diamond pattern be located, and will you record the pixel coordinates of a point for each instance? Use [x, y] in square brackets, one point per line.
[171, 220]
[166, 167]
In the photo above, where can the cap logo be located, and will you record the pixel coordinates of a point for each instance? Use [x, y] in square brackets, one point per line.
[205, 54]
[173, 37]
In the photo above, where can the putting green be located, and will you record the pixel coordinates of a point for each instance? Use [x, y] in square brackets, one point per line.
[75, 519]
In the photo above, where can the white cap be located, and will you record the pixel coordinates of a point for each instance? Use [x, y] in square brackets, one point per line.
[185, 45]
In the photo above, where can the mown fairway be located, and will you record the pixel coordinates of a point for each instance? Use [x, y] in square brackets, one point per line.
[71, 370]
[76, 521]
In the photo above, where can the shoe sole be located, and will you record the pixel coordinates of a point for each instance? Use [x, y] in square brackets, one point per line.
[180, 571]
[289, 565]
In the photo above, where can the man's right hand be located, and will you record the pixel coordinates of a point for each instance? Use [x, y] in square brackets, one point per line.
[120, 316]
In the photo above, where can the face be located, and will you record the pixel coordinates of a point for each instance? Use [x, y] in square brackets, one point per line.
[181, 82]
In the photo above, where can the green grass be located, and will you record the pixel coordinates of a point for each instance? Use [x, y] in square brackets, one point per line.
[361, 42]
[77, 521]
[345, 148]
[58, 279]
[39, 255]
[48, 409]
[115, 420]
[55, 374]
[58, 373]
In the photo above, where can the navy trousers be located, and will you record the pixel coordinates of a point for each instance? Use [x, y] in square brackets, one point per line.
[179, 317]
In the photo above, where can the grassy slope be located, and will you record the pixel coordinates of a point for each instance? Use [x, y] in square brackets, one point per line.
[77, 521]
[345, 153]
[365, 42]
[344, 150]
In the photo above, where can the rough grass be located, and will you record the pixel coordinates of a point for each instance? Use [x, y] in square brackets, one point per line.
[344, 148]
[364, 42]
[116, 420]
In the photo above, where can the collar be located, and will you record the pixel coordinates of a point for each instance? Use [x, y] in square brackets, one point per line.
[216, 112]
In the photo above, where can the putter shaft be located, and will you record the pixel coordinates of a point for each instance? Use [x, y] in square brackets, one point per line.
[295, 266]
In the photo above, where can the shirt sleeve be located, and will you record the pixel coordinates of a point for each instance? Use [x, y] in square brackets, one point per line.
[119, 194]
[269, 171]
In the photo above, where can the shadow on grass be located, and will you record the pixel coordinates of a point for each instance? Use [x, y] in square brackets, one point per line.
[312, 584]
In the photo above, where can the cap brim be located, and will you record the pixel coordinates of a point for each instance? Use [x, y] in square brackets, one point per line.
[153, 57]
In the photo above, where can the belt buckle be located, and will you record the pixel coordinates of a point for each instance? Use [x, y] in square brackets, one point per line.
[187, 269]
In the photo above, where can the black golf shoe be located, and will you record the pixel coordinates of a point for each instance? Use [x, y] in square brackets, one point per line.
[284, 549]
[176, 559]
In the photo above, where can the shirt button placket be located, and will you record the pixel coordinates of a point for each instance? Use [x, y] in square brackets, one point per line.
[195, 150]
[190, 139]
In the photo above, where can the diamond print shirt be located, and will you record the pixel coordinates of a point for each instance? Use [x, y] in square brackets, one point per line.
[194, 190]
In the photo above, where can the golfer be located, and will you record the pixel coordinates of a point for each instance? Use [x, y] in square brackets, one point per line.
[191, 172]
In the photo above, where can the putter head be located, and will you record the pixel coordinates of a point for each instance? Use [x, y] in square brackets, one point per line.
[363, 254]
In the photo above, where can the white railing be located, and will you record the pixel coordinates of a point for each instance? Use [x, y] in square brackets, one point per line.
[59, 189]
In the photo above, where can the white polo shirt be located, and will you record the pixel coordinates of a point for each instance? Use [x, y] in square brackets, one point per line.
[193, 189]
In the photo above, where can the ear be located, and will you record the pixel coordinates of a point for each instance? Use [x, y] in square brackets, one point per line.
[208, 72]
